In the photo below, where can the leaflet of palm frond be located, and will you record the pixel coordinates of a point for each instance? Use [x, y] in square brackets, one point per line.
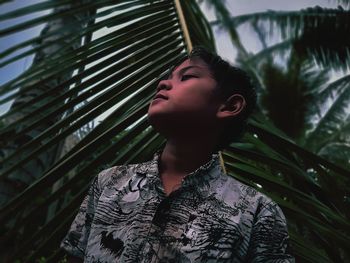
[104, 65]
[329, 43]
[320, 228]
[286, 168]
[327, 40]
[65, 60]
[287, 171]
[324, 185]
[268, 150]
[291, 23]
[78, 34]
[303, 193]
[225, 23]
[337, 152]
[307, 209]
[118, 148]
[51, 240]
[283, 169]
[325, 94]
[26, 174]
[122, 153]
[55, 172]
[27, 10]
[199, 30]
[261, 129]
[326, 175]
[108, 76]
[85, 150]
[273, 50]
[345, 3]
[77, 7]
[332, 122]
[284, 98]
[95, 107]
[302, 250]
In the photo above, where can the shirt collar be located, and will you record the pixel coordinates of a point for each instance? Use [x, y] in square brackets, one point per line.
[149, 168]
[205, 172]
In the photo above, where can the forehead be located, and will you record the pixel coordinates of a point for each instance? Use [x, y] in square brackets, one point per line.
[195, 63]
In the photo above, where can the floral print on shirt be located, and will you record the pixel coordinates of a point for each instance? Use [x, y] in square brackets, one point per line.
[126, 217]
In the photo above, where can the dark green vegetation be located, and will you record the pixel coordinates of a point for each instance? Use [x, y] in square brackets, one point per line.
[52, 145]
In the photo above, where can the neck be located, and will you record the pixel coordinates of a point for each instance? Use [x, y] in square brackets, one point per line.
[184, 156]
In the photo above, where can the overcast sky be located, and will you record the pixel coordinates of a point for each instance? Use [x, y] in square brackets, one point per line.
[241, 7]
[224, 47]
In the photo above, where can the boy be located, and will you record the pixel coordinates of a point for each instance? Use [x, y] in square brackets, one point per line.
[181, 207]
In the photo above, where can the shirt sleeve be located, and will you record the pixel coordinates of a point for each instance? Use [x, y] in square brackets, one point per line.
[76, 239]
[269, 240]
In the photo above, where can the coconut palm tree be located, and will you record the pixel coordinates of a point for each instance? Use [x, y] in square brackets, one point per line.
[23, 109]
[293, 94]
[296, 96]
[109, 82]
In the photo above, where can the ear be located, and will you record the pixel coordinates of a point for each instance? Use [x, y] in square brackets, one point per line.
[231, 107]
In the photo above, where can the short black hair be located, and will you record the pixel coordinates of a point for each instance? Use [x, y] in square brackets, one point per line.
[231, 80]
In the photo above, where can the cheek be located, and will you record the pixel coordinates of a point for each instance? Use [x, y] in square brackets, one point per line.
[192, 97]
[196, 101]
[195, 109]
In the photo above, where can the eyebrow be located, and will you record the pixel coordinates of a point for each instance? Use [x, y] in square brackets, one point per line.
[181, 71]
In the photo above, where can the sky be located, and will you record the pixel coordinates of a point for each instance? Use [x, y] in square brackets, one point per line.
[14, 69]
[5, 42]
[224, 47]
[241, 7]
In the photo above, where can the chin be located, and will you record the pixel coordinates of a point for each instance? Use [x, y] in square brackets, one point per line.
[155, 121]
[160, 123]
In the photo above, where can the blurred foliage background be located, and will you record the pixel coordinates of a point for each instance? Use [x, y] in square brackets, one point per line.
[81, 107]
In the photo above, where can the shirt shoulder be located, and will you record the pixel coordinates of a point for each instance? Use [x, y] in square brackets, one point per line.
[228, 184]
[118, 176]
[238, 194]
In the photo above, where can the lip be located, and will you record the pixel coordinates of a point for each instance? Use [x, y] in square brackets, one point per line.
[160, 96]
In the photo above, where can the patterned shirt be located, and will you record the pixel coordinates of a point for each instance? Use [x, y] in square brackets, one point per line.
[127, 217]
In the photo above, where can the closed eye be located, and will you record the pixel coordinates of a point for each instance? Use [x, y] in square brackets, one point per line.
[186, 77]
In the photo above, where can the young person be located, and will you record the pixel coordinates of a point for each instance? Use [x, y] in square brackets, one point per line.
[180, 206]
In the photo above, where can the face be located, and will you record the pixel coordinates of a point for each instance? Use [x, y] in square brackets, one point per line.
[188, 98]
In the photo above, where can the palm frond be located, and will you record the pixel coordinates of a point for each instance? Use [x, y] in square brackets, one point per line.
[332, 122]
[290, 22]
[273, 165]
[322, 32]
[109, 80]
[345, 3]
[116, 73]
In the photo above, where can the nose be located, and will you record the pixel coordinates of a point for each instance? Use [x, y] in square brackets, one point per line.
[164, 84]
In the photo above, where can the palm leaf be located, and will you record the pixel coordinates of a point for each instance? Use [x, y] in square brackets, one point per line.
[333, 122]
[111, 80]
[321, 32]
[281, 169]
[120, 75]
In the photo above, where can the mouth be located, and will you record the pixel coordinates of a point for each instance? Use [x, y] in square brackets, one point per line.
[160, 96]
